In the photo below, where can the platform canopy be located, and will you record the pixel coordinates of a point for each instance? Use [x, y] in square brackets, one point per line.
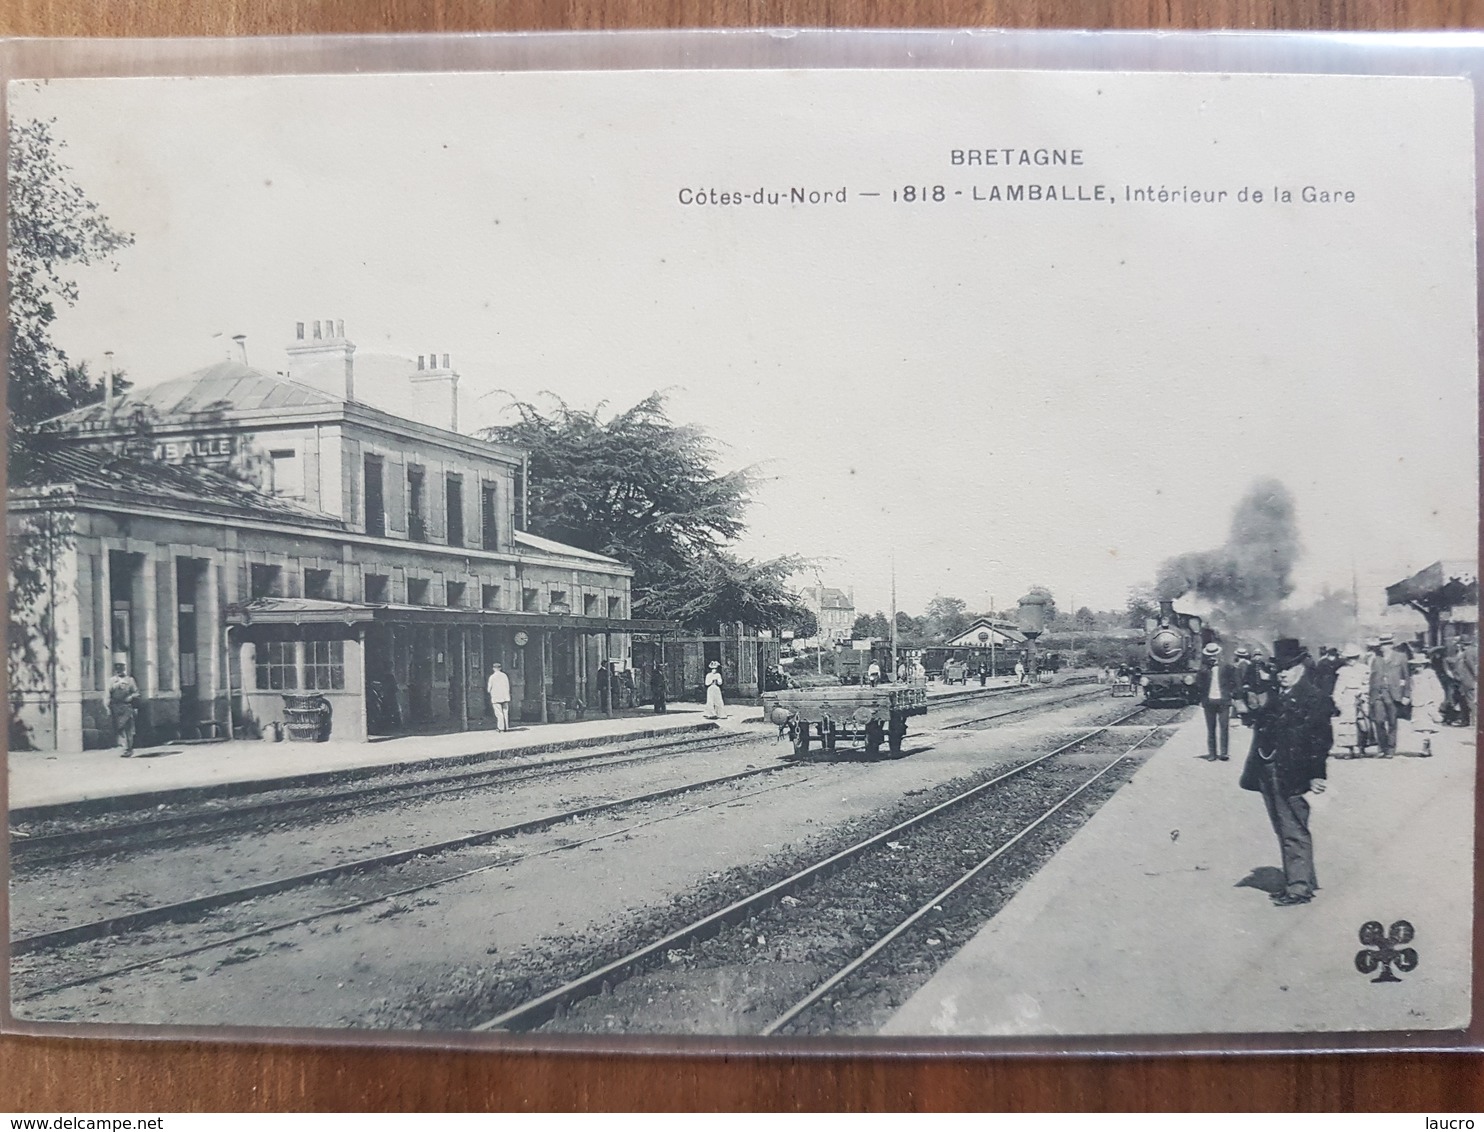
[317, 611]
[1443, 585]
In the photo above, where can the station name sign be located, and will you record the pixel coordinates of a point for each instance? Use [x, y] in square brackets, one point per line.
[196, 449]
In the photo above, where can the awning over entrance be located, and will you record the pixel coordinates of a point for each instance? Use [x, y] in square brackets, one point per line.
[314, 611]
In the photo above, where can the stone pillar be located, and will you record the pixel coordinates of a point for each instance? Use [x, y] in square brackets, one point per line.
[208, 633]
[146, 617]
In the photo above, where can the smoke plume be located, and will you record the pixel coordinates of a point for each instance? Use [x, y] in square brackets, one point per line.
[1249, 575]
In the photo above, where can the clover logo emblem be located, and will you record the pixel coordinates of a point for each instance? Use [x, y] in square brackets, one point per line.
[1386, 951]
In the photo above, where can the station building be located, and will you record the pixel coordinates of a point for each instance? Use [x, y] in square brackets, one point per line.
[239, 539]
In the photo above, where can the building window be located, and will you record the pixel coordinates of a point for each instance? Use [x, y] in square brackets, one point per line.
[454, 491]
[377, 588]
[556, 602]
[265, 580]
[489, 510]
[375, 498]
[530, 601]
[278, 666]
[417, 504]
[417, 591]
[288, 473]
[615, 607]
[453, 594]
[317, 585]
[589, 605]
[324, 666]
[489, 597]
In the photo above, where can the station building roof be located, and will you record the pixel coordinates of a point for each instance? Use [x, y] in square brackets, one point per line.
[119, 476]
[999, 632]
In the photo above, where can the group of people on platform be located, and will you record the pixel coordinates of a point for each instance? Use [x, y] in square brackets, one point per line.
[1301, 706]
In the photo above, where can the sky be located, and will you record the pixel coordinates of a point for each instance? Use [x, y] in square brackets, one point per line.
[981, 395]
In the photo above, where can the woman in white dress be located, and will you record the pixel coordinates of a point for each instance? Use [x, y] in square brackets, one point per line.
[1351, 682]
[713, 690]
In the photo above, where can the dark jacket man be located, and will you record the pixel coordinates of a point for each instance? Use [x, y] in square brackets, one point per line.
[1287, 760]
[1294, 733]
[1218, 676]
[1231, 680]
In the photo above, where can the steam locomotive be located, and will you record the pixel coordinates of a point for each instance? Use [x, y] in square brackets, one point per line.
[1172, 655]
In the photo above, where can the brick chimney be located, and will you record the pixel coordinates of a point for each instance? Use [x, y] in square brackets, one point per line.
[437, 392]
[320, 355]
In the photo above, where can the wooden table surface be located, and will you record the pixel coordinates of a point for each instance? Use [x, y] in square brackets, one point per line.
[55, 1075]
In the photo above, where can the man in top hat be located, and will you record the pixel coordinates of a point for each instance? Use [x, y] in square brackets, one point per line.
[1390, 686]
[1288, 761]
[1216, 683]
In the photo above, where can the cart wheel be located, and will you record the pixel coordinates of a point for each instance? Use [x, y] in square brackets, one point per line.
[897, 733]
[801, 739]
[873, 737]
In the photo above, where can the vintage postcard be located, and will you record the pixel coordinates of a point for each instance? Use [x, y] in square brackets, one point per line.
[967, 554]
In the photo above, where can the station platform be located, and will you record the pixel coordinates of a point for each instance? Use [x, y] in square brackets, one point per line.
[1155, 917]
[44, 779]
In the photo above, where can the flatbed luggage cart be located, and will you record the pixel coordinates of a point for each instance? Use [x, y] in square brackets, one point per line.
[832, 714]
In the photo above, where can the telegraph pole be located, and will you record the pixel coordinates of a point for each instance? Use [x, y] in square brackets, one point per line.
[893, 614]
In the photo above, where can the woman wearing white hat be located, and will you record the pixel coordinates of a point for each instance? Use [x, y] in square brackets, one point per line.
[713, 690]
[1351, 725]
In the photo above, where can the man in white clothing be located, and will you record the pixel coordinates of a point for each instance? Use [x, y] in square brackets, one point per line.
[498, 687]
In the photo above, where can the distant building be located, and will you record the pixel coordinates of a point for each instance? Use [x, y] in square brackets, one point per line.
[986, 631]
[833, 609]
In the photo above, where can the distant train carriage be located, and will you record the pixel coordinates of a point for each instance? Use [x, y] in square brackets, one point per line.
[1172, 655]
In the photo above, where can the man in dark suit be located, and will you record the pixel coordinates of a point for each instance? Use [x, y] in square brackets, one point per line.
[1216, 684]
[1390, 688]
[1292, 740]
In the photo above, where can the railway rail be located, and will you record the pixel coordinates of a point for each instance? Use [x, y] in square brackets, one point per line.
[537, 1011]
[34, 851]
[27, 852]
[199, 907]
[935, 902]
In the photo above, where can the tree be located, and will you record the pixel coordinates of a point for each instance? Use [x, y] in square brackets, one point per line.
[642, 489]
[946, 617]
[1084, 618]
[871, 625]
[803, 624]
[1140, 608]
[53, 229]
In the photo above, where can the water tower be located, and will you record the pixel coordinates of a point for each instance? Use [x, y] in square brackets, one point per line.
[1032, 622]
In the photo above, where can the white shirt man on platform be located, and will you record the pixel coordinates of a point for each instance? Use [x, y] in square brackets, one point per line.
[498, 687]
[1216, 683]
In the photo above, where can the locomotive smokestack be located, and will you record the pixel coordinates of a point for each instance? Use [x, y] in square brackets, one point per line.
[1166, 609]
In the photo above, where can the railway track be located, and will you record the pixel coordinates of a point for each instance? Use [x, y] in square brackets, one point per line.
[1023, 708]
[35, 851]
[541, 1009]
[833, 983]
[199, 907]
[31, 852]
